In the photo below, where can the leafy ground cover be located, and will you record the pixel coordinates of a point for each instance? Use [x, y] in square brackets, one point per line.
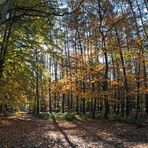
[26, 131]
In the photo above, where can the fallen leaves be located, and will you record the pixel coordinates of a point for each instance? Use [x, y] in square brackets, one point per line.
[26, 131]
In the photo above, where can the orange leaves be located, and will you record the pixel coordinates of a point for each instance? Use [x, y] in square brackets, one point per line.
[116, 84]
[73, 25]
[77, 13]
[140, 57]
[138, 41]
[142, 90]
[94, 24]
[65, 85]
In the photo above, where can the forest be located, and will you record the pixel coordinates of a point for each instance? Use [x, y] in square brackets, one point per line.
[74, 60]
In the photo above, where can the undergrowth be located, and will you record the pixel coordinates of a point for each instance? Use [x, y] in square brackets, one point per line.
[62, 116]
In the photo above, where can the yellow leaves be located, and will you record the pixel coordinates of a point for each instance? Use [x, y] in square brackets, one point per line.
[138, 41]
[128, 54]
[142, 90]
[39, 38]
[99, 67]
[86, 95]
[65, 85]
[94, 80]
[115, 84]
[12, 94]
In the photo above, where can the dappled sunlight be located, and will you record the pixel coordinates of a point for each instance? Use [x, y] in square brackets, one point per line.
[26, 130]
[5, 122]
[73, 74]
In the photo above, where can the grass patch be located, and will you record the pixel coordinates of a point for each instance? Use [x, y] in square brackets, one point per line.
[9, 114]
[62, 116]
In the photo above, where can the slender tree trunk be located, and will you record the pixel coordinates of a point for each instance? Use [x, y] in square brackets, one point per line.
[50, 101]
[142, 22]
[63, 103]
[146, 86]
[146, 4]
[94, 107]
[37, 85]
[137, 74]
[77, 104]
[125, 76]
[4, 45]
[4, 11]
[71, 105]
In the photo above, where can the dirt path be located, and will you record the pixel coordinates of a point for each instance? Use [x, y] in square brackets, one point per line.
[25, 131]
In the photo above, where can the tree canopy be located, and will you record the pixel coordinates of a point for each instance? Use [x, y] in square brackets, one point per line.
[85, 56]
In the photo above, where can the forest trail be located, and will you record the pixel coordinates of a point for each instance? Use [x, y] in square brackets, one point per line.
[25, 131]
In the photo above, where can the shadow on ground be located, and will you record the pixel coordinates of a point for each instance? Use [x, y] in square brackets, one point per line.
[26, 131]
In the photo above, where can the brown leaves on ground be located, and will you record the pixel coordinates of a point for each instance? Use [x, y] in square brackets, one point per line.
[25, 131]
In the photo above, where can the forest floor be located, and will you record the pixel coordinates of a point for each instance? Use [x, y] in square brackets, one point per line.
[25, 131]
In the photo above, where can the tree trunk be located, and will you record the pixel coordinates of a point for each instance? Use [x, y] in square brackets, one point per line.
[4, 46]
[63, 103]
[124, 75]
[37, 85]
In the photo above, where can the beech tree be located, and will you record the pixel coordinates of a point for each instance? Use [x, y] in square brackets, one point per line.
[87, 57]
